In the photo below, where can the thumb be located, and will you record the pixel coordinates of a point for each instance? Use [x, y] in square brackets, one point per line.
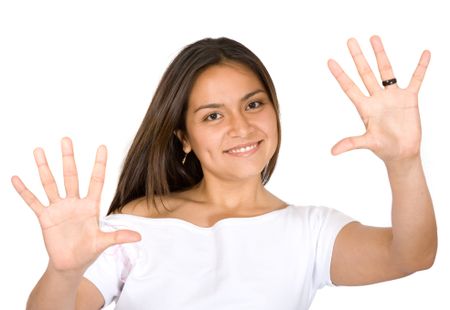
[108, 239]
[350, 143]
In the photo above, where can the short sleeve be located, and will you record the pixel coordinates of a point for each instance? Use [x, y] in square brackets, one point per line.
[328, 224]
[110, 270]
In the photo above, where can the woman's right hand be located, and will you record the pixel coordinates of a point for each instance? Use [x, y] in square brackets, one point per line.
[70, 225]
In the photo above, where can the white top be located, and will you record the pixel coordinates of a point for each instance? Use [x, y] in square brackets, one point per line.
[276, 260]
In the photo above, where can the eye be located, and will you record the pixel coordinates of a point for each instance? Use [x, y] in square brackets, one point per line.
[213, 116]
[253, 105]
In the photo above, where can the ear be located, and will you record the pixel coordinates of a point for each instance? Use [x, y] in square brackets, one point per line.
[183, 139]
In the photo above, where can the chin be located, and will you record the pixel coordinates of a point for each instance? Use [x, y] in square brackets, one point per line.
[245, 173]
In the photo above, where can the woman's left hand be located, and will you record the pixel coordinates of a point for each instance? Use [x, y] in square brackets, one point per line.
[390, 114]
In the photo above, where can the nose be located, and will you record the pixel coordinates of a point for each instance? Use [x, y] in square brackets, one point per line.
[240, 126]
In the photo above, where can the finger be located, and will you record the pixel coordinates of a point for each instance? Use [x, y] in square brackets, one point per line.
[419, 74]
[384, 66]
[363, 67]
[69, 169]
[27, 196]
[108, 239]
[350, 143]
[98, 174]
[347, 85]
[47, 179]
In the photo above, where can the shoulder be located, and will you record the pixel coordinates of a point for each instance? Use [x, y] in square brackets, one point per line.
[152, 207]
[133, 215]
[138, 207]
[316, 216]
[310, 211]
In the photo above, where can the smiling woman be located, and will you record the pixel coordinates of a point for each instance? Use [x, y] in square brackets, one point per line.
[240, 133]
[207, 146]
[193, 95]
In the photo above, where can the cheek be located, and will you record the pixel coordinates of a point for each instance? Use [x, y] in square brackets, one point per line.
[271, 130]
[274, 138]
[203, 142]
[271, 126]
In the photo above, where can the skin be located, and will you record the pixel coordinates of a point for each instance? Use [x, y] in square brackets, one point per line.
[232, 183]
[218, 120]
[393, 133]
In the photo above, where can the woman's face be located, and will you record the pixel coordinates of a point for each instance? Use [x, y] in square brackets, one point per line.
[231, 123]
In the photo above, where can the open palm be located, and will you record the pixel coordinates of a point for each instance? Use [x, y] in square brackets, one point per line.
[70, 225]
[390, 114]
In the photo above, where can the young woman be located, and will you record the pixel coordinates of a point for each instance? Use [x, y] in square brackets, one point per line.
[192, 226]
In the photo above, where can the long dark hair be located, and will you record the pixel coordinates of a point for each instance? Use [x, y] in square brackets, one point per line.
[153, 164]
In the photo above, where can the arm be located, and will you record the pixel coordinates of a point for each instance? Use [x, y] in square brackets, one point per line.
[56, 290]
[364, 254]
[414, 242]
[71, 234]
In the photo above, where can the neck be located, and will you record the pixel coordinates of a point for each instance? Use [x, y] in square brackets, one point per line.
[233, 195]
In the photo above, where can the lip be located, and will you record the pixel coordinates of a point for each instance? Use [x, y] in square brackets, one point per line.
[239, 150]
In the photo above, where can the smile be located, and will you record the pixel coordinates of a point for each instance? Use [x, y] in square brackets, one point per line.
[244, 149]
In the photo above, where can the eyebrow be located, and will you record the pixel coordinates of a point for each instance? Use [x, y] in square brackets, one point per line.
[220, 105]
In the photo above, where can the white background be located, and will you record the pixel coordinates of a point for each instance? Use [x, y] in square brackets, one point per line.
[88, 70]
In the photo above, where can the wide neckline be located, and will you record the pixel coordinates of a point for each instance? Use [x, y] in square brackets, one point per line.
[227, 220]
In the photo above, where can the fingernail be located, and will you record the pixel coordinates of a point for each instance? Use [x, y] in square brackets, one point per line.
[65, 141]
[39, 155]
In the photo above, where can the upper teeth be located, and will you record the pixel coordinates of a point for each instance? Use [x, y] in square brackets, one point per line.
[243, 149]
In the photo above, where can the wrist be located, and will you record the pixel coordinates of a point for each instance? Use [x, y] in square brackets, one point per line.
[55, 290]
[65, 275]
[404, 166]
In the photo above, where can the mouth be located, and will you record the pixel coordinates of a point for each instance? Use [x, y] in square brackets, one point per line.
[244, 149]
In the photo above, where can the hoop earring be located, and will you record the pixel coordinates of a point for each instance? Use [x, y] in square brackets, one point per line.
[184, 158]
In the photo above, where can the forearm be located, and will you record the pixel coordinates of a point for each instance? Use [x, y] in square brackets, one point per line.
[55, 290]
[414, 233]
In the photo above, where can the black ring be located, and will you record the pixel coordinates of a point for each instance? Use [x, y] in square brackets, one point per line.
[389, 82]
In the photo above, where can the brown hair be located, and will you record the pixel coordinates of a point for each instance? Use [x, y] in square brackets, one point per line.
[153, 164]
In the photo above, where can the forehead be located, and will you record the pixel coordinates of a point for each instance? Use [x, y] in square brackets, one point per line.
[223, 82]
